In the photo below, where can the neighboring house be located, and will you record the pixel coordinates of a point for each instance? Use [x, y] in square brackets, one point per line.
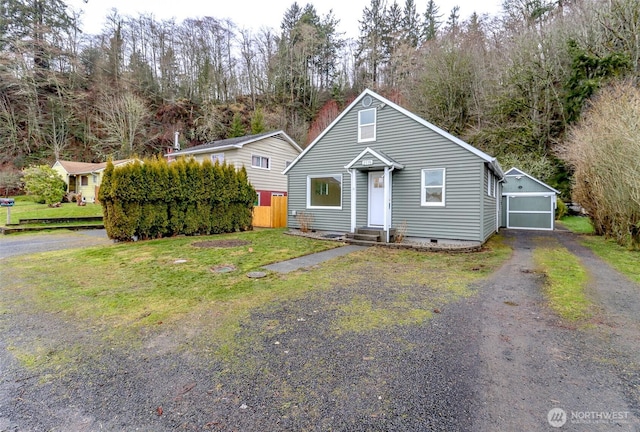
[264, 156]
[83, 177]
[379, 165]
[527, 203]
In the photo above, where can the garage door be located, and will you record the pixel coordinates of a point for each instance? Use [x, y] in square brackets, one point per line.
[530, 212]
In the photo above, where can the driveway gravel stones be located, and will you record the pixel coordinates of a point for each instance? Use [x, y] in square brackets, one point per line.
[497, 360]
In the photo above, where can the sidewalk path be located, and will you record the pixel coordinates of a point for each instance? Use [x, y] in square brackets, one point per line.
[313, 259]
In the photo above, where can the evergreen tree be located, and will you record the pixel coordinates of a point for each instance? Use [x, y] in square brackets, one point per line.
[411, 24]
[431, 21]
[237, 128]
[257, 122]
[371, 50]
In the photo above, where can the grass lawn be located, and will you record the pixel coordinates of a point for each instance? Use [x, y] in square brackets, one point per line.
[578, 224]
[24, 208]
[620, 258]
[566, 281]
[129, 286]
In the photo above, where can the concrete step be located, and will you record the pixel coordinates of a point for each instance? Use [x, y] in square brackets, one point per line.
[367, 237]
[368, 231]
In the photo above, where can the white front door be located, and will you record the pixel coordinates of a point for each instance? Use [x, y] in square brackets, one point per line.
[376, 198]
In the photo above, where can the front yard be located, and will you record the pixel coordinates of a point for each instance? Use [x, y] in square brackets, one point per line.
[127, 287]
[25, 208]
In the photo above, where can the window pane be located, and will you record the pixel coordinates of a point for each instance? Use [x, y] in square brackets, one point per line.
[325, 191]
[367, 132]
[367, 117]
[433, 194]
[255, 161]
[433, 177]
[265, 162]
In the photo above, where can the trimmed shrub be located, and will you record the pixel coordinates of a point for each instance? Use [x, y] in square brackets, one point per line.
[155, 199]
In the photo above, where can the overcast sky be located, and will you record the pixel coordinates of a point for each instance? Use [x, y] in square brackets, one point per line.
[254, 14]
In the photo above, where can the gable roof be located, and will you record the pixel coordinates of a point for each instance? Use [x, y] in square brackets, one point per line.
[493, 162]
[75, 168]
[514, 172]
[386, 160]
[231, 143]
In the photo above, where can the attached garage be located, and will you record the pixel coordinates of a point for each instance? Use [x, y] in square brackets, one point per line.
[527, 203]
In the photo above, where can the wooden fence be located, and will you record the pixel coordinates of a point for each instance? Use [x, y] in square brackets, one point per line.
[274, 216]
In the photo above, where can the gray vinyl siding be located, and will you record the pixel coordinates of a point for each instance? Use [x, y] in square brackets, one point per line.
[489, 210]
[512, 185]
[414, 146]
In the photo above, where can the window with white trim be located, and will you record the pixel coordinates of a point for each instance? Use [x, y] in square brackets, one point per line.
[260, 162]
[324, 191]
[217, 157]
[488, 181]
[367, 125]
[433, 187]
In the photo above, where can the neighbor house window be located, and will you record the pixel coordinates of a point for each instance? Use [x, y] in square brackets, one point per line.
[217, 157]
[84, 180]
[433, 183]
[94, 178]
[367, 125]
[260, 162]
[324, 191]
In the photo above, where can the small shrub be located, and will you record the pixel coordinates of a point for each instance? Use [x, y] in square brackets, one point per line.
[401, 232]
[561, 209]
[44, 183]
[304, 221]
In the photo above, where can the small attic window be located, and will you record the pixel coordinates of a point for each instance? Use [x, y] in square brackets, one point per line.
[367, 125]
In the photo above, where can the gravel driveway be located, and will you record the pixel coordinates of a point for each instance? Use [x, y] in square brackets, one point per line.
[21, 244]
[497, 361]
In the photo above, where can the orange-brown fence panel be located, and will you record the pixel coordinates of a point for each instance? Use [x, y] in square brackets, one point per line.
[262, 216]
[278, 211]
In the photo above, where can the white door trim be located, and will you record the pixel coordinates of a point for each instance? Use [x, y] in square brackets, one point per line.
[381, 208]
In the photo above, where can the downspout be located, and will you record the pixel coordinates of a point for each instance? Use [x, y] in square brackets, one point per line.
[387, 210]
[352, 173]
[498, 202]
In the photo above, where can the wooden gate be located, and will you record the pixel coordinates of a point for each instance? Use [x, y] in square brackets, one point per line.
[274, 216]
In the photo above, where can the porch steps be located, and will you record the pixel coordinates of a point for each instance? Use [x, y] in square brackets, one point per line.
[368, 236]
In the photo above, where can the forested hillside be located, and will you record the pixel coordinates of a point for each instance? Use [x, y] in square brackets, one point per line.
[509, 84]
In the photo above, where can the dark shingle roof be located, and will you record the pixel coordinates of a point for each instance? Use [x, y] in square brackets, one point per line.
[230, 142]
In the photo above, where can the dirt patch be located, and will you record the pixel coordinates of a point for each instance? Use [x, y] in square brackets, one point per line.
[221, 243]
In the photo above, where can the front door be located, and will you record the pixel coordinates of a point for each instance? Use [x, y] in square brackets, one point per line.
[376, 198]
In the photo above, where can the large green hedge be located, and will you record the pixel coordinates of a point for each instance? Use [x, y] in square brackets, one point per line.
[153, 198]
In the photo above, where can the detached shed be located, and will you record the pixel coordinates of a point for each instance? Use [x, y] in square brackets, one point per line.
[527, 203]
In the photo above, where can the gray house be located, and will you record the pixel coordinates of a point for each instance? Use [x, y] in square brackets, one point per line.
[527, 203]
[380, 166]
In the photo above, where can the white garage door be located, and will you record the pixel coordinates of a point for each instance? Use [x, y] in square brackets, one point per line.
[527, 211]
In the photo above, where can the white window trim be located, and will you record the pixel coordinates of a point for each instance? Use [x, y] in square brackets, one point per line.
[375, 126]
[423, 202]
[217, 156]
[309, 177]
[261, 157]
[488, 178]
